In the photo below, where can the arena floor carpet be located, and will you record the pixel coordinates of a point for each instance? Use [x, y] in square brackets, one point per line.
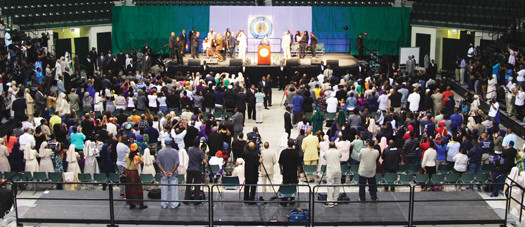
[229, 213]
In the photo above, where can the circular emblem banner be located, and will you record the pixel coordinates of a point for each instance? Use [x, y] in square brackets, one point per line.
[261, 27]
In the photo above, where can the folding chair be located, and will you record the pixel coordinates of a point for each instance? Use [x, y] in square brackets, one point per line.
[157, 178]
[354, 169]
[180, 178]
[487, 168]
[402, 169]
[287, 192]
[379, 178]
[355, 179]
[309, 170]
[212, 170]
[444, 169]
[101, 178]
[467, 178]
[85, 178]
[421, 179]
[146, 178]
[405, 179]
[231, 183]
[437, 179]
[345, 171]
[389, 178]
[414, 169]
[114, 177]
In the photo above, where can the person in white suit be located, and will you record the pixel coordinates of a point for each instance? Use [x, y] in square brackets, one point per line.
[242, 45]
[285, 44]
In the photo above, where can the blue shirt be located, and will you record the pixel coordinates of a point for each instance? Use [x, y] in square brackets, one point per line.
[486, 146]
[77, 139]
[168, 158]
[475, 155]
[508, 138]
[259, 97]
[195, 159]
[153, 135]
[441, 151]
[351, 102]
[456, 120]
[297, 103]
[463, 63]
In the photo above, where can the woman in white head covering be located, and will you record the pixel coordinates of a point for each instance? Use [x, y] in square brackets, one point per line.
[148, 163]
[491, 91]
[91, 164]
[30, 103]
[62, 106]
[372, 127]
[239, 170]
[11, 95]
[72, 160]
[99, 103]
[471, 124]
[474, 107]
[30, 158]
[58, 69]
[240, 79]
[4, 153]
[46, 165]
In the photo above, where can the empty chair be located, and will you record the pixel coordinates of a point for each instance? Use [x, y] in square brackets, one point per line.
[444, 169]
[354, 169]
[146, 178]
[402, 169]
[437, 179]
[405, 179]
[421, 178]
[414, 169]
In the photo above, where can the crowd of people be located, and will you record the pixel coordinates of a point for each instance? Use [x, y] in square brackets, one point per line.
[134, 120]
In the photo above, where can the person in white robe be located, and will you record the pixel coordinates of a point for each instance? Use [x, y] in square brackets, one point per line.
[72, 160]
[4, 154]
[46, 165]
[91, 164]
[148, 163]
[30, 159]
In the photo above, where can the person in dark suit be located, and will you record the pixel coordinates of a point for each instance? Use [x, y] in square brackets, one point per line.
[121, 60]
[241, 103]
[93, 56]
[360, 47]
[232, 43]
[291, 37]
[171, 45]
[40, 100]
[268, 91]
[288, 121]
[250, 100]
[114, 65]
[101, 60]
[195, 46]
[313, 43]
[131, 67]
[192, 33]
[19, 107]
[251, 172]
[179, 50]
[145, 49]
[263, 85]
[184, 41]
[432, 69]
[90, 66]
[282, 77]
[302, 44]
[146, 64]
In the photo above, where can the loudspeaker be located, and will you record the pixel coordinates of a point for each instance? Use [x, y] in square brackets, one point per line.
[315, 61]
[332, 63]
[236, 62]
[194, 62]
[292, 62]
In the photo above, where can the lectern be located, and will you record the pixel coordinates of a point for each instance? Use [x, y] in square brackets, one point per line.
[264, 56]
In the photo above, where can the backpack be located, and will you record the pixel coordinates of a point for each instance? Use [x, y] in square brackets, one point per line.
[299, 215]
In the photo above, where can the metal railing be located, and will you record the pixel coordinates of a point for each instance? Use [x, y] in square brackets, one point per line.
[310, 200]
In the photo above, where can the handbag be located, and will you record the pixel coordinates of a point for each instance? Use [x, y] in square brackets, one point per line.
[299, 215]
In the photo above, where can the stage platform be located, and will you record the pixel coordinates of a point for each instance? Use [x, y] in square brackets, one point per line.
[345, 59]
[253, 72]
[386, 211]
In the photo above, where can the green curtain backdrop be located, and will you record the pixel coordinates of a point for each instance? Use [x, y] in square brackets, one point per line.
[135, 26]
[388, 28]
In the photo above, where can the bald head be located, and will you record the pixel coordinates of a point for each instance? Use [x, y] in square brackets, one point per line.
[308, 131]
[251, 145]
